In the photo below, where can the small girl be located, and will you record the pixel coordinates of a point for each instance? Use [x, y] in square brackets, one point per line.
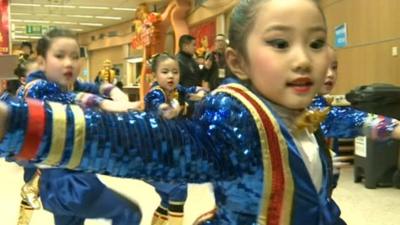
[170, 100]
[71, 196]
[347, 122]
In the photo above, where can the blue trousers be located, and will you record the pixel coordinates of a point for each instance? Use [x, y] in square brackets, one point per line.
[74, 196]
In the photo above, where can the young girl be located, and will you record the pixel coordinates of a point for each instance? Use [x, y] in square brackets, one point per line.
[71, 196]
[347, 122]
[169, 100]
[242, 137]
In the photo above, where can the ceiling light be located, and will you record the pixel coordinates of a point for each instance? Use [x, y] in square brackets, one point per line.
[64, 22]
[36, 21]
[16, 20]
[91, 24]
[21, 36]
[93, 7]
[80, 16]
[21, 14]
[124, 9]
[109, 17]
[76, 29]
[19, 32]
[25, 4]
[35, 37]
[60, 6]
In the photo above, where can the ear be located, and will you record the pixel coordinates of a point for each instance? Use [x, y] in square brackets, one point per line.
[236, 63]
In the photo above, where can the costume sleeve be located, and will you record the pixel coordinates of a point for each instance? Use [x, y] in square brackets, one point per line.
[347, 122]
[220, 142]
[48, 91]
[87, 87]
[153, 100]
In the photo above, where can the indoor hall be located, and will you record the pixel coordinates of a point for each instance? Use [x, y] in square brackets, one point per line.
[364, 35]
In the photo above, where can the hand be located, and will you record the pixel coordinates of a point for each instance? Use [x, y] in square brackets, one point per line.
[168, 112]
[117, 95]
[208, 63]
[198, 96]
[120, 106]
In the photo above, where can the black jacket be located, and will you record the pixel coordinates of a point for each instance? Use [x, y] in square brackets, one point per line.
[191, 75]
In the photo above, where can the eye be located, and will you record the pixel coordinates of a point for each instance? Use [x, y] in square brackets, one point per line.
[75, 57]
[317, 44]
[278, 43]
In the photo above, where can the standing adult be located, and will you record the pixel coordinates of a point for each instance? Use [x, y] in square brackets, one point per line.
[219, 55]
[191, 75]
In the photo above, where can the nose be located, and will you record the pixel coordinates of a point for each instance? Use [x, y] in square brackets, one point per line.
[67, 62]
[302, 60]
[329, 74]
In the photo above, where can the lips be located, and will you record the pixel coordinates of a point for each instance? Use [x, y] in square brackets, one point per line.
[301, 85]
[68, 74]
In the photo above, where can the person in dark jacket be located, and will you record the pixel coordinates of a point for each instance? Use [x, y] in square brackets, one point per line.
[191, 74]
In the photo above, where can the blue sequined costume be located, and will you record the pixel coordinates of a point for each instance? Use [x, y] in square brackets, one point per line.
[70, 195]
[347, 122]
[173, 196]
[221, 143]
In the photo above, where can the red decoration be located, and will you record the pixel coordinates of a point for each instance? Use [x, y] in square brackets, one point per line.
[4, 28]
[205, 34]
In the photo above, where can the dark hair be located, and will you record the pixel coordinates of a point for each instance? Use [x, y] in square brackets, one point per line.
[158, 58]
[45, 42]
[21, 69]
[27, 44]
[185, 39]
[242, 21]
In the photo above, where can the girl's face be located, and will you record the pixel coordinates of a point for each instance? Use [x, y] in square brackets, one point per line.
[331, 76]
[167, 74]
[287, 56]
[62, 64]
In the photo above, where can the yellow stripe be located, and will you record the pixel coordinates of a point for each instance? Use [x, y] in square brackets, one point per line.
[79, 137]
[289, 184]
[28, 86]
[60, 127]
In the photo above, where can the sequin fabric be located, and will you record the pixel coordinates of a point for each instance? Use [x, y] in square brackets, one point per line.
[219, 143]
[347, 122]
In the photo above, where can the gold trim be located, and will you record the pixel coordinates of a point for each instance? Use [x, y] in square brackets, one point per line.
[79, 137]
[289, 184]
[60, 127]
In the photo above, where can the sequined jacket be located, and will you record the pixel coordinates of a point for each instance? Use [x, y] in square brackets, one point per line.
[257, 180]
[347, 122]
[156, 96]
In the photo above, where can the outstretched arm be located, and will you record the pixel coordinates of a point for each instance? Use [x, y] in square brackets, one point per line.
[211, 146]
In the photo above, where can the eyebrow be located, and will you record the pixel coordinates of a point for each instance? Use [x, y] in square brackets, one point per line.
[288, 28]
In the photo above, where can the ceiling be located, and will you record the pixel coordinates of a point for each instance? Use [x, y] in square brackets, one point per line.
[28, 16]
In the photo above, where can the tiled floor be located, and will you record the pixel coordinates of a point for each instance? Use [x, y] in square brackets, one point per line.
[360, 206]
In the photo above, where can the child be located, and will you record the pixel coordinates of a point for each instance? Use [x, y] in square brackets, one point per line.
[242, 137]
[71, 196]
[169, 99]
[347, 122]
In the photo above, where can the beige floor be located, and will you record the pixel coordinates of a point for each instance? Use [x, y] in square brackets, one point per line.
[360, 206]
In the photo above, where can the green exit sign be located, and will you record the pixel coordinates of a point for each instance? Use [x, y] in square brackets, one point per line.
[34, 29]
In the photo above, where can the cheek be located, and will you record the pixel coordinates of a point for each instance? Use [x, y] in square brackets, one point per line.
[264, 67]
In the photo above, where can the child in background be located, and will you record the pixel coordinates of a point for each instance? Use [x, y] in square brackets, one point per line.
[347, 122]
[170, 100]
[70, 196]
[242, 137]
